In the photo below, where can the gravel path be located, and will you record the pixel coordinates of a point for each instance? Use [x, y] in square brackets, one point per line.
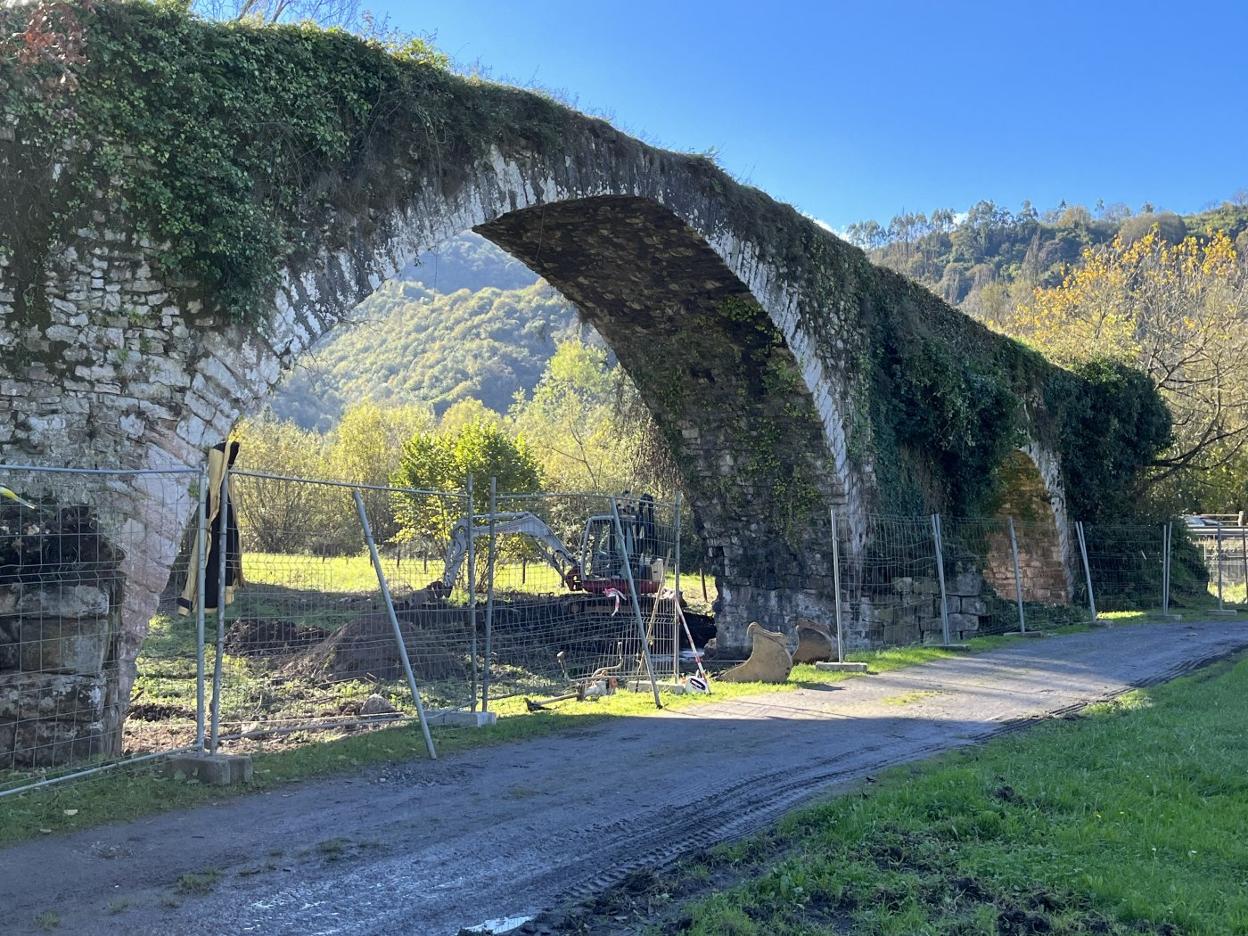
[507, 831]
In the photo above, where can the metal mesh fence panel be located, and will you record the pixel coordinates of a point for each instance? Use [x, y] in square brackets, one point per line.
[890, 592]
[96, 666]
[573, 589]
[1048, 570]
[1219, 550]
[979, 576]
[1126, 563]
[891, 580]
[989, 561]
[308, 644]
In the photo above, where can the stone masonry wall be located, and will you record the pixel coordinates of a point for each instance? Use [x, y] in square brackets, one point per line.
[1044, 564]
[60, 617]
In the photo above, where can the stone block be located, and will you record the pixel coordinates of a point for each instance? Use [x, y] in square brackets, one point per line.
[901, 634]
[211, 769]
[8, 644]
[64, 601]
[48, 742]
[51, 696]
[376, 706]
[846, 667]
[962, 623]
[63, 644]
[455, 718]
[879, 616]
[975, 606]
[967, 584]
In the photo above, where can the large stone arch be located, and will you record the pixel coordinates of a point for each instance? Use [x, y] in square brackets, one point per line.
[640, 239]
[709, 330]
[754, 334]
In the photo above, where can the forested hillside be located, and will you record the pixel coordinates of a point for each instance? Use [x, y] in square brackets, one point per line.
[990, 258]
[469, 323]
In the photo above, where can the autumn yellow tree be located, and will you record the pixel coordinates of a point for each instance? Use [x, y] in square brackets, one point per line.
[1179, 312]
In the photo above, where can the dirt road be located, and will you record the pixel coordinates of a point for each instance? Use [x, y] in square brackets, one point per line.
[504, 832]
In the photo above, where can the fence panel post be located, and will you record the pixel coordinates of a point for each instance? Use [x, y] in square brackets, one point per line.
[1167, 532]
[223, 524]
[1018, 578]
[394, 620]
[489, 598]
[471, 515]
[940, 575]
[201, 581]
[676, 601]
[1243, 532]
[1087, 569]
[1218, 560]
[632, 598]
[836, 588]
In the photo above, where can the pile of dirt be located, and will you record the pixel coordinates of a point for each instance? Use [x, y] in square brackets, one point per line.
[436, 637]
[271, 636]
[159, 712]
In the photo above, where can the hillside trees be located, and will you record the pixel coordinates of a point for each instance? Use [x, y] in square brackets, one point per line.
[366, 447]
[589, 427]
[278, 516]
[411, 344]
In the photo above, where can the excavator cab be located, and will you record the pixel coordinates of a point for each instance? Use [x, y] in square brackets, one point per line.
[603, 554]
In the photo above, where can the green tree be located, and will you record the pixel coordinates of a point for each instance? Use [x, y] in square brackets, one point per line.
[589, 427]
[442, 463]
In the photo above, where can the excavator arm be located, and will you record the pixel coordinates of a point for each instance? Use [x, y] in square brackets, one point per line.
[551, 548]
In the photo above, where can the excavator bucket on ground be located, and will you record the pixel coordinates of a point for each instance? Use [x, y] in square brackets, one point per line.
[769, 659]
[815, 643]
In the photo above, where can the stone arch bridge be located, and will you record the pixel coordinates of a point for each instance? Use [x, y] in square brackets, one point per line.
[767, 349]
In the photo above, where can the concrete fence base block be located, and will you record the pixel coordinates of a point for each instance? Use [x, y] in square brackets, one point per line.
[1225, 612]
[831, 666]
[1171, 617]
[211, 769]
[1031, 633]
[451, 718]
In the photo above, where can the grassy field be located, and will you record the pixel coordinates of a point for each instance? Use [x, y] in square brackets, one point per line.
[1128, 819]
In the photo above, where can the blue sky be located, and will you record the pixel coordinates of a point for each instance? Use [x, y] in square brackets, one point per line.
[853, 111]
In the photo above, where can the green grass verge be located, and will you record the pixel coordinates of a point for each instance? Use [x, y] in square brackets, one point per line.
[126, 794]
[1128, 819]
